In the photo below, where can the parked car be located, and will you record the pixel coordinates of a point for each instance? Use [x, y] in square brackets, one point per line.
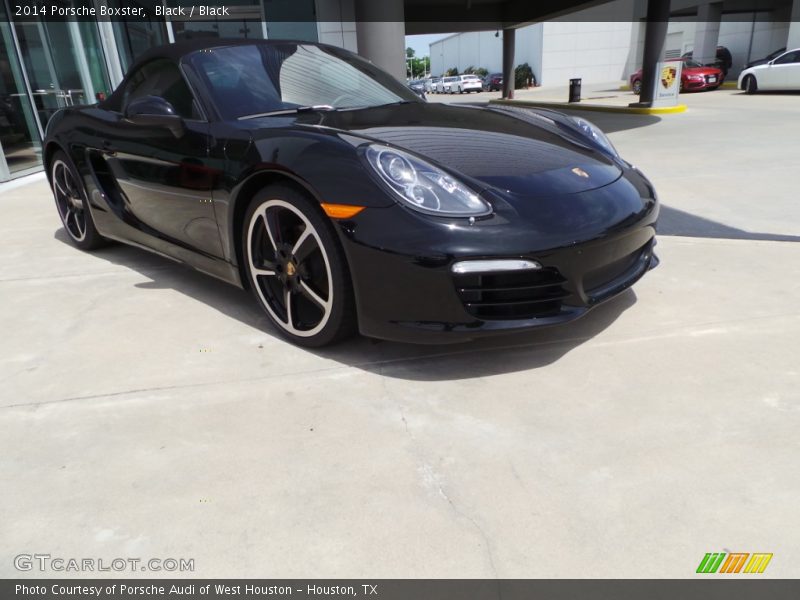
[443, 87]
[466, 83]
[418, 87]
[766, 59]
[694, 77]
[782, 73]
[430, 85]
[723, 61]
[493, 82]
[325, 197]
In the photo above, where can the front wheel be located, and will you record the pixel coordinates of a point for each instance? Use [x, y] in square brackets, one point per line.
[72, 204]
[750, 84]
[297, 269]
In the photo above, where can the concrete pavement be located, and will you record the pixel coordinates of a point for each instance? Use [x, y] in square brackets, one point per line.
[149, 411]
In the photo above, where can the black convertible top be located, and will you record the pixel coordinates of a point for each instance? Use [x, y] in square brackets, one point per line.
[178, 50]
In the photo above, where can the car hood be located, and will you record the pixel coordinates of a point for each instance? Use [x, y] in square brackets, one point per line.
[512, 151]
[701, 71]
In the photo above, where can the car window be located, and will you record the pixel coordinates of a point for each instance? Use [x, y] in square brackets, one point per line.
[259, 78]
[161, 78]
[789, 57]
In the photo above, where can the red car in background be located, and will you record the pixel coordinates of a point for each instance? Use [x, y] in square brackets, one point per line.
[694, 77]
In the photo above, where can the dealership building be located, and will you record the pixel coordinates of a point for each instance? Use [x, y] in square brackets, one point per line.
[599, 47]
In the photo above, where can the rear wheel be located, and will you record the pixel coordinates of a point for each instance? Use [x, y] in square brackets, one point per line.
[296, 268]
[72, 204]
[750, 84]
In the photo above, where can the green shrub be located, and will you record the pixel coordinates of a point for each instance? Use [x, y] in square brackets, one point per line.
[522, 74]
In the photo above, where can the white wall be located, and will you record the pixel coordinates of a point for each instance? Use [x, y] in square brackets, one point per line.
[597, 52]
[474, 49]
[336, 24]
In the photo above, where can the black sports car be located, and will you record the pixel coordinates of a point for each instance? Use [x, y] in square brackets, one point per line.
[344, 201]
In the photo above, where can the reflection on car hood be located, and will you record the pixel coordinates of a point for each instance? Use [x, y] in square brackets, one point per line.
[513, 152]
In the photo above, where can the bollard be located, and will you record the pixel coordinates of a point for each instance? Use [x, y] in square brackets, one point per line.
[574, 90]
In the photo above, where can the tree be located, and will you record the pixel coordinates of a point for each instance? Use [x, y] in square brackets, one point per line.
[451, 72]
[420, 67]
[523, 76]
[410, 53]
[479, 71]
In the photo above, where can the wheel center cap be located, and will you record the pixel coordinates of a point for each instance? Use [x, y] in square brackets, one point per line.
[290, 269]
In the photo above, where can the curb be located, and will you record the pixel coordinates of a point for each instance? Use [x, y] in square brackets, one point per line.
[726, 85]
[636, 110]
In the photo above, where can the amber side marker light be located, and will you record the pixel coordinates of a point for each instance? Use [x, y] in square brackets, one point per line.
[341, 211]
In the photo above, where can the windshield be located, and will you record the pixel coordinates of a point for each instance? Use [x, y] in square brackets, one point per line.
[692, 64]
[260, 78]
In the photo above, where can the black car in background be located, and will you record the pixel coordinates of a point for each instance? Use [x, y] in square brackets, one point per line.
[418, 87]
[766, 59]
[723, 61]
[493, 82]
[346, 203]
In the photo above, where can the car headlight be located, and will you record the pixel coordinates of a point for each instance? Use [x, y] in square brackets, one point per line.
[593, 131]
[424, 187]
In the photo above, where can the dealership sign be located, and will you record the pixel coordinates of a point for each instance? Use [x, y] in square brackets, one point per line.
[668, 83]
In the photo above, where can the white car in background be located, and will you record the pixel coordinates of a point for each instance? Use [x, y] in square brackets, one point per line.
[781, 73]
[443, 87]
[467, 83]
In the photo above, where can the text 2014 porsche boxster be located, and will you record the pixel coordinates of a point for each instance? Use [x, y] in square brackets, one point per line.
[345, 202]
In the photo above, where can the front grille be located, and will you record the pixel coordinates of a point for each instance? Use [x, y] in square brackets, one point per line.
[602, 276]
[512, 295]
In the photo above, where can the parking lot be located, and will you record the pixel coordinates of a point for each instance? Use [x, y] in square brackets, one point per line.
[150, 411]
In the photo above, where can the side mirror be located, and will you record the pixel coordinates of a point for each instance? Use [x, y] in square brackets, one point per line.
[153, 111]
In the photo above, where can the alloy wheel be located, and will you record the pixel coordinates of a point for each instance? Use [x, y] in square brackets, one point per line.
[290, 268]
[69, 201]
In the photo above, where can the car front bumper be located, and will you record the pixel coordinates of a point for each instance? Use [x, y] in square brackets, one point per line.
[406, 291]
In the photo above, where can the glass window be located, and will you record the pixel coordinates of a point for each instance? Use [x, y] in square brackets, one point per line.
[161, 78]
[789, 57]
[20, 145]
[63, 62]
[231, 19]
[136, 36]
[252, 79]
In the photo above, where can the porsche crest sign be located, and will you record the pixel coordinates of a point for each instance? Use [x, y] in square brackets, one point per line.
[668, 83]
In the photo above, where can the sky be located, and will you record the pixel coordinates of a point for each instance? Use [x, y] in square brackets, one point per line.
[420, 42]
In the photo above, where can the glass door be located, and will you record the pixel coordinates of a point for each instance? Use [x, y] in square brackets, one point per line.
[63, 62]
[20, 131]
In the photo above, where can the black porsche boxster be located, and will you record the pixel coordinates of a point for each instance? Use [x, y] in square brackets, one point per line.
[345, 202]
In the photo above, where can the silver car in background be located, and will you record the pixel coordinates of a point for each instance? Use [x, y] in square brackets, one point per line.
[444, 85]
[467, 83]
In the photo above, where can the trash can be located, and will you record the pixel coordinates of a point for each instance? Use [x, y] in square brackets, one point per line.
[574, 90]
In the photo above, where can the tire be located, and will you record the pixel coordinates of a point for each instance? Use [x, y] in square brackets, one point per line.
[72, 203]
[750, 84]
[636, 86]
[297, 262]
